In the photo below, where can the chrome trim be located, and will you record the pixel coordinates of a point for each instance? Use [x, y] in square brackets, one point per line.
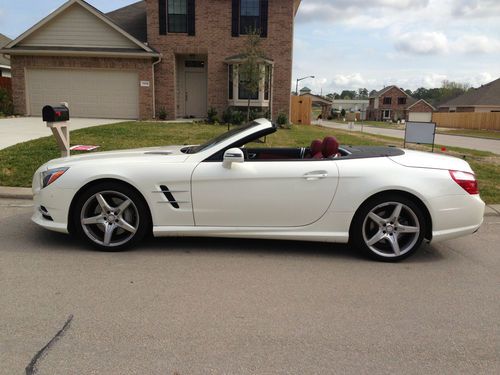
[170, 191]
[170, 202]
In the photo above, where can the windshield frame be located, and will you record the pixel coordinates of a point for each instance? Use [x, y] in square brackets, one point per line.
[219, 139]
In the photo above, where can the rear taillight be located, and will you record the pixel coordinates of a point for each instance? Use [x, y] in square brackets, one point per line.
[466, 180]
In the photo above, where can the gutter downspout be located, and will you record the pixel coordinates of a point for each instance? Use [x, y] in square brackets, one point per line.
[154, 84]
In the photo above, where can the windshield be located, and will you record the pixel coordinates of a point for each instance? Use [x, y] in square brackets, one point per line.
[218, 139]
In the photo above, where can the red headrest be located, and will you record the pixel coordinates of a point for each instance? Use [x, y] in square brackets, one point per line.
[330, 147]
[317, 149]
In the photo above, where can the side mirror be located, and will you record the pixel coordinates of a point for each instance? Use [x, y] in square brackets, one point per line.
[233, 155]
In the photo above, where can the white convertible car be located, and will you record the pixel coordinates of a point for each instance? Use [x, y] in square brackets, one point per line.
[383, 200]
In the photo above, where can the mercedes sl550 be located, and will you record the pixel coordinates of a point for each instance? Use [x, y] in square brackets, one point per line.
[384, 201]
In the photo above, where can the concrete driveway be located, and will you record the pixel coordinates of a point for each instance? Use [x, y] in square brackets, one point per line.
[22, 129]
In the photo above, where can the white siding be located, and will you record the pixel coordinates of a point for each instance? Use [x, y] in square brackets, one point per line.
[77, 27]
[90, 93]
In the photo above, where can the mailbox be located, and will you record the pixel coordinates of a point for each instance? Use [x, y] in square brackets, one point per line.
[55, 114]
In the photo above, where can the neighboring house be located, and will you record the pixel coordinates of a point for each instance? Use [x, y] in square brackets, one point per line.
[4, 61]
[392, 103]
[319, 101]
[351, 106]
[483, 99]
[178, 56]
[305, 90]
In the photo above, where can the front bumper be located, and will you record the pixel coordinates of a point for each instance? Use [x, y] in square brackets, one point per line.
[54, 203]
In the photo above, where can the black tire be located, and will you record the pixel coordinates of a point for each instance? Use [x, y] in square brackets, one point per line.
[376, 233]
[127, 219]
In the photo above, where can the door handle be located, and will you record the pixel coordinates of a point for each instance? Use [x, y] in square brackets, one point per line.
[316, 175]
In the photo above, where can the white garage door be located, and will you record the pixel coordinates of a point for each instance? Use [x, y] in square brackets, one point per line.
[90, 93]
[420, 116]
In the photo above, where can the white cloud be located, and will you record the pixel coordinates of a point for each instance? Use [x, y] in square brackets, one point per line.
[476, 44]
[422, 43]
[349, 80]
[475, 8]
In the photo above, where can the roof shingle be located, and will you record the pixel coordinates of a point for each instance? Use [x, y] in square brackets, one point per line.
[488, 94]
[133, 19]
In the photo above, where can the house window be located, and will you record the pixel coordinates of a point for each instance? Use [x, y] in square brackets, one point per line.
[388, 100]
[244, 93]
[267, 83]
[177, 16]
[249, 16]
[386, 114]
[401, 101]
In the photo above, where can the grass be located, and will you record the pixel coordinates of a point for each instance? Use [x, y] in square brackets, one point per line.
[18, 163]
[491, 134]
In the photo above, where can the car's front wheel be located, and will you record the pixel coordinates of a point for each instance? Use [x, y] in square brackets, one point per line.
[388, 228]
[111, 216]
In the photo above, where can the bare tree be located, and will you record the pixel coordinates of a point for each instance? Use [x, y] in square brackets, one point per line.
[251, 71]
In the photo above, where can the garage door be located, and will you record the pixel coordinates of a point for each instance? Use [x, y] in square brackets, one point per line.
[90, 93]
[420, 116]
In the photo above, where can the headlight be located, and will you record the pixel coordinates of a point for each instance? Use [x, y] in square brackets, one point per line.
[51, 175]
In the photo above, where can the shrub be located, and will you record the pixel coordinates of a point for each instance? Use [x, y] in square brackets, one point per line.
[237, 117]
[162, 114]
[227, 115]
[212, 116]
[6, 106]
[282, 120]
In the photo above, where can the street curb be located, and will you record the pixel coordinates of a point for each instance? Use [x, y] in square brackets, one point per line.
[26, 193]
[15, 193]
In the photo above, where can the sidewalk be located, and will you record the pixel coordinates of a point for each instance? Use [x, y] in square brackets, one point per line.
[25, 193]
[473, 143]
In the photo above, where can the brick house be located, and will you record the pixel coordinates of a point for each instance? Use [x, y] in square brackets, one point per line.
[392, 103]
[180, 56]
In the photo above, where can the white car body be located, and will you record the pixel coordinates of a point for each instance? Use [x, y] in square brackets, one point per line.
[300, 199]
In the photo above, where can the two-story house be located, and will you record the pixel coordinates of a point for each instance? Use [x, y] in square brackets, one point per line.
[393, 104]
[177, 56]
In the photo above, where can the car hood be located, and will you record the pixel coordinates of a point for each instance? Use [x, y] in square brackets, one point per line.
[165, 153]
[419, 159]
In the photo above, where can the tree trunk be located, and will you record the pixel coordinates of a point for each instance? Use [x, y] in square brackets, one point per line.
[248, 110]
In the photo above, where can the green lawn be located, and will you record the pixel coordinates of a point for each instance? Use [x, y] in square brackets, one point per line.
[492, 134]
[19, 162]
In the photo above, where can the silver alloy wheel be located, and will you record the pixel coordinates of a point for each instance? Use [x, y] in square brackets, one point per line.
[391, 229]
[109, 218]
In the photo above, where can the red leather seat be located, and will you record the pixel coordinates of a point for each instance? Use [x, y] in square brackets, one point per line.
[330, 147]
[316, 149]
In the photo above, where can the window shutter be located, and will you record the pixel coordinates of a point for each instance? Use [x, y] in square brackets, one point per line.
[235, 30]
[162, 12]
[191, 17]
[264, 15]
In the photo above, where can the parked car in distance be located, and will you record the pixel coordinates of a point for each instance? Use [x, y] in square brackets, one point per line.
[382, 200]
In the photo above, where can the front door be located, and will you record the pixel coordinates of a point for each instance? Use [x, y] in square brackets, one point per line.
[196, 93]
[263, 193]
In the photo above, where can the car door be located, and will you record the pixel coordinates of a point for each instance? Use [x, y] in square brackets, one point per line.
[263, 193]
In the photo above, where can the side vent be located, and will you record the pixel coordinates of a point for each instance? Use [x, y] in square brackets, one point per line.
[166, 192]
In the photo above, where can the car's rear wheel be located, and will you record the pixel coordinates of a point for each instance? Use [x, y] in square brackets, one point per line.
[388, 228]
[111, 216]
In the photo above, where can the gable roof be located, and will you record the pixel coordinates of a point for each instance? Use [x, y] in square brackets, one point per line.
[486, 95]
[4, 41]
[317, 98]
[423, 101]
[14, 46]
[133, 19]
[385, 89]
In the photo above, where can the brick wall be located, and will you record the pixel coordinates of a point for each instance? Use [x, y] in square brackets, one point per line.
[21, 63]
[421, 107]
[213, 39]
[398, 110]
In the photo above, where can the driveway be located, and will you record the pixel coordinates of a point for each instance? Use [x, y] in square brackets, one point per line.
[481, 144]
[22, 129]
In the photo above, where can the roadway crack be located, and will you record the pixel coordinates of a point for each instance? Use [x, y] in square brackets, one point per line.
[31, 369]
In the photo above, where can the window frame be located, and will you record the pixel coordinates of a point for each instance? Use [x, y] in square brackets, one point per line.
[256, 18]
[186, 14]
[387, 100]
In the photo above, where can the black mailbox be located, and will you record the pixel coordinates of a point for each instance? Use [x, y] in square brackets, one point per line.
[55, 114]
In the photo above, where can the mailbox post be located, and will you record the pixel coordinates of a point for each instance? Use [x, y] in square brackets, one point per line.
[57, 119]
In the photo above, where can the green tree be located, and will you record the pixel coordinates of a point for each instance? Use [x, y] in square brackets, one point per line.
[348, 94]
[251, 71]
[363, 93]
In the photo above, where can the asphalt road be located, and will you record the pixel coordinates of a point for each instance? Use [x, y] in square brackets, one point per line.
[204, 306]
[482, 144]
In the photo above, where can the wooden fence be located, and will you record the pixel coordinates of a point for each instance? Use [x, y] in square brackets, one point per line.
[301, 110]
[468, 120]
[6, 83]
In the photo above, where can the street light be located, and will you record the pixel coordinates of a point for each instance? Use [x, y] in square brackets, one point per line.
[298, 80]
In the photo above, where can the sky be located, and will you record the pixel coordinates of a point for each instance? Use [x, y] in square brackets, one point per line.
[351, 44]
